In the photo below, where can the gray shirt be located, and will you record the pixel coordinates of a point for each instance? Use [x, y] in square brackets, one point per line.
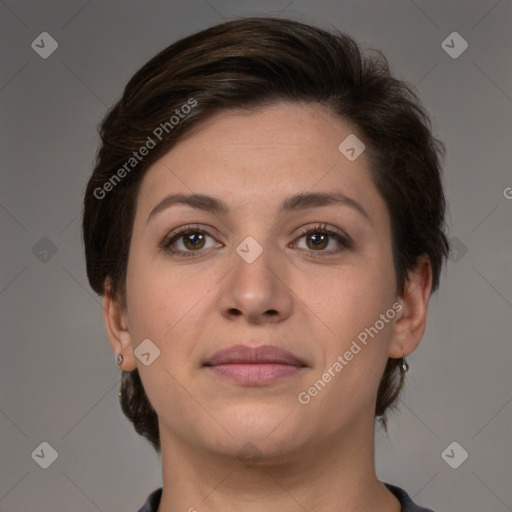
[153, 501]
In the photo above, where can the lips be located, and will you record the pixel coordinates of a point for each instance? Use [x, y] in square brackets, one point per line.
[254, 366]
[265, 354]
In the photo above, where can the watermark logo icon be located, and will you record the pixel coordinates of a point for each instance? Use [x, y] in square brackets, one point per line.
[351, 147]
[454, 455]
[146, 352]
[44, 250]
[457, 249]
[45, 455]
[249, 454]
[44, 45]
[454, 45]
[249, 249]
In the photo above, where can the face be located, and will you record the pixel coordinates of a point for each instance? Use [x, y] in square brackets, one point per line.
[271, 265]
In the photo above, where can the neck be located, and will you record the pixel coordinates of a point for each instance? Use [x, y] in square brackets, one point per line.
[332, 475]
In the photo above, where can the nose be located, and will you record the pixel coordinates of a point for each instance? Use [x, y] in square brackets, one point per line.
[257, 291]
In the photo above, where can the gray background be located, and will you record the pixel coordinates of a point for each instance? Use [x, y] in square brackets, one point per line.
[58, 378]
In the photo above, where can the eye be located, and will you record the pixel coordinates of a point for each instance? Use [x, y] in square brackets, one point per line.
[192, 241]
[318, 238]
[188, 241]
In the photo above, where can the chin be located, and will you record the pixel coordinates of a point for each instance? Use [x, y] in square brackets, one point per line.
[273, 431]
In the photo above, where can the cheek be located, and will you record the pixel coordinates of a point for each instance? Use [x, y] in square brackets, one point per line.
[356, 346]
[165, 308]
[155, 295]
[167, 304]
[353, 298]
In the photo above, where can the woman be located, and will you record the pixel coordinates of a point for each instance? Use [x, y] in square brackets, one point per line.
[265, 221]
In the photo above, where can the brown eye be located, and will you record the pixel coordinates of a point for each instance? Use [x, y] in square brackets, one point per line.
[318, 240]
[188, 241]
[193, 240]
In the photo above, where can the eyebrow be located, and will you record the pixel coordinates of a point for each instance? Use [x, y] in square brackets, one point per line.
[296, 202]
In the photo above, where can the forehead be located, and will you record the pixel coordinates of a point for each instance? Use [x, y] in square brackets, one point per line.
[284, 130]
[274, 151]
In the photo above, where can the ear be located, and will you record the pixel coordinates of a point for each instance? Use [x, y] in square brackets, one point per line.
[411, 321]
[119, 336]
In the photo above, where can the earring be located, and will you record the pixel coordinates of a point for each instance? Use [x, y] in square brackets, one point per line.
[404, 366]
[119, 359]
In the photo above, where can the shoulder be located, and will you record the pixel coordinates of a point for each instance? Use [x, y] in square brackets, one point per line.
[405, 500]
[152, 502]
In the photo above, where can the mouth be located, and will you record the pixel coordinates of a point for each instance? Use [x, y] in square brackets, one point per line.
[254, 366]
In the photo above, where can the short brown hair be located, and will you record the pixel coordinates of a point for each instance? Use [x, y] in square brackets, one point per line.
[245, 64]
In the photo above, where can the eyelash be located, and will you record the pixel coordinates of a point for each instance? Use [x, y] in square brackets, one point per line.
[178, 233]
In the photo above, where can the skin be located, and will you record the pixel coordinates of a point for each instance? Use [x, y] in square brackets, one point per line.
[315, 457]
